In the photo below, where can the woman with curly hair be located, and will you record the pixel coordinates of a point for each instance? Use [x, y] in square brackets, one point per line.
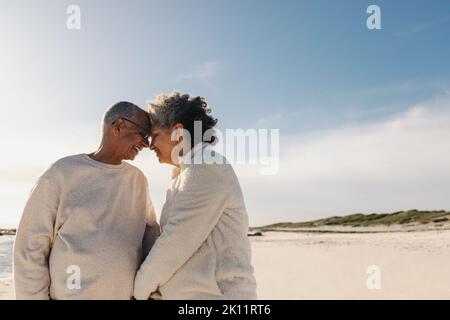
[203, 251]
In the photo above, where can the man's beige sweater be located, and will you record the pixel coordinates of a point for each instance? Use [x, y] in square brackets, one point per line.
[82, 232]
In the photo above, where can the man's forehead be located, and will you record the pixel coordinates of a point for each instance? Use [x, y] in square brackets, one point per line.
[142, 119]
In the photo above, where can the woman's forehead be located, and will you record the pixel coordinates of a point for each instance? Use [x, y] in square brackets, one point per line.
[156, 129]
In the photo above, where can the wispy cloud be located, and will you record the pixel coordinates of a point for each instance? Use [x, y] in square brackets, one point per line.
[421, 27]
[404, 87]
[270, 120]
[204, 72]
[354, 106]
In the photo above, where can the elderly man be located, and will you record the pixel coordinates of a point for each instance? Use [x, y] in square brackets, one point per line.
[89, 220]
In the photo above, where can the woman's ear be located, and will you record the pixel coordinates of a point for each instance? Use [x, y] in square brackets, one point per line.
[177, 132]
[177, 126]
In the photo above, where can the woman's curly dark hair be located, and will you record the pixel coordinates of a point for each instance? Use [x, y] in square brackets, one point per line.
[169, 109]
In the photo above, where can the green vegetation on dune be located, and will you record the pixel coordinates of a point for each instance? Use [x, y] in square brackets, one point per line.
[366, 220]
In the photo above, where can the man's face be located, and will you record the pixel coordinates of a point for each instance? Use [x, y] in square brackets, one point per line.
[133, 136]
[162, 144]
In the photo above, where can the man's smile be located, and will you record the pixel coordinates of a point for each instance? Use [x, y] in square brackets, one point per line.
[137, 148]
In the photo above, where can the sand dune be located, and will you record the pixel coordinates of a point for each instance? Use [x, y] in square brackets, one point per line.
[411, 265]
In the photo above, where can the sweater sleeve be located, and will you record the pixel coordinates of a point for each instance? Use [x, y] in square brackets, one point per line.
[33, 241]
[196, 209]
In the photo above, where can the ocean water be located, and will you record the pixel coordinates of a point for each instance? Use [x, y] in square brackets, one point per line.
[6, 246]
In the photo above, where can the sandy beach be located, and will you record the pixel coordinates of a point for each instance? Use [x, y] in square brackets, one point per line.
[412, 265]
[290, 265]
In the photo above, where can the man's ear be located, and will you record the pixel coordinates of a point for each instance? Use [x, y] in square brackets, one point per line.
[117, 126]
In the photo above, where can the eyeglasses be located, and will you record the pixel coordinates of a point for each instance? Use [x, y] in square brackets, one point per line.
[142, 131]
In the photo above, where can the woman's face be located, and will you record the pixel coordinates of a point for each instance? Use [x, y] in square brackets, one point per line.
[163, 145]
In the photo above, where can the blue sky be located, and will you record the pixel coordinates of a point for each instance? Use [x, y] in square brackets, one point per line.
[309, 68]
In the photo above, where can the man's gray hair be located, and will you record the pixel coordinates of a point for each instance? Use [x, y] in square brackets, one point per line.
[122, 109]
